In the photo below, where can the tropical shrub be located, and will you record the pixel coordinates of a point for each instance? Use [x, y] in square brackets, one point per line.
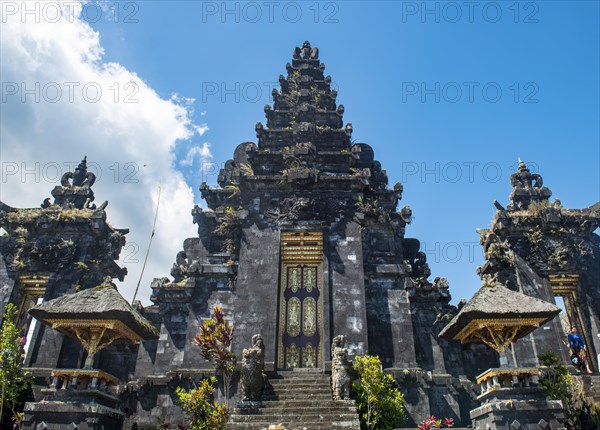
[380, 405]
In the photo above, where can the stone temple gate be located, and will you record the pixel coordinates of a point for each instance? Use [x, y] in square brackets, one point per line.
[302, 240]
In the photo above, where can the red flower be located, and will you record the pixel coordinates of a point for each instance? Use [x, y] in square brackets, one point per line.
[448, 422]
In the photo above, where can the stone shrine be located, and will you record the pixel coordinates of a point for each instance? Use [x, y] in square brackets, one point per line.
[303, 240]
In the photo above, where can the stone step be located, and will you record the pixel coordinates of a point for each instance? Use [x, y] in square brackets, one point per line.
[300, 388]
[300, 380]
[297, 382]
[298, 400]
[290, 417]
[284, 412]
[294, 382]
[296, 396]
[297, 376]
[591, 386]
[308, 403]
[292, 407]
[350, 425]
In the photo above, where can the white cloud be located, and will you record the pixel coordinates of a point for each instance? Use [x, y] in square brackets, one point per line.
[61, 101]
[201, 129]
[202, 152]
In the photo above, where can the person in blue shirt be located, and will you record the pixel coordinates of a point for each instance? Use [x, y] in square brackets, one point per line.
[578, 349]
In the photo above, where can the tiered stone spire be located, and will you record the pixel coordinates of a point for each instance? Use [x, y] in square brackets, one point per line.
[304, 146]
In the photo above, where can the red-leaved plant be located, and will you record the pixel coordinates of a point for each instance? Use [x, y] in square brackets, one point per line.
[433, 423]
[214, 339]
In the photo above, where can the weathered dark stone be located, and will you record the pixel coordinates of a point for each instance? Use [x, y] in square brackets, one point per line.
[252, 376]
[341, 372]
[303, 175]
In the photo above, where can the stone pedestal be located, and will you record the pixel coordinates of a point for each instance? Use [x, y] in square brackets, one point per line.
[512, 400]
[77, 399]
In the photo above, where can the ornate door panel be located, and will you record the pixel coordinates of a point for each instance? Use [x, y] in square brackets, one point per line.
[301, 304]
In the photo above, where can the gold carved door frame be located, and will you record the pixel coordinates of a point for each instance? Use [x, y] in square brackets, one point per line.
[565, 286]
[300, 342]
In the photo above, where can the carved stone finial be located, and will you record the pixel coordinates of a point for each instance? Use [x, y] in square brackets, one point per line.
[75, 190]
[527, 188]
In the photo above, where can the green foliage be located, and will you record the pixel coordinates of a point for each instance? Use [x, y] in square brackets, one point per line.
[203, 412]
[214, 339]
[82, 265]
[234, 189]
[535, 236]
[537, 207]
[230, 223]
[558, 384]
[13, 378]
[356, 172]
[380, 405]
[246, 169]
[371, 207]
[548, 359]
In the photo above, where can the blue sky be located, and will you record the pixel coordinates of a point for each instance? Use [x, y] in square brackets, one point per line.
[420, 86]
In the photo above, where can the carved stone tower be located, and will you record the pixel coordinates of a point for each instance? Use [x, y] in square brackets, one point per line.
[301, 242]
[547, 251]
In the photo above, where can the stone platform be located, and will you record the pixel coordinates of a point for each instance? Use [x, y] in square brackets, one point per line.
[512, 400]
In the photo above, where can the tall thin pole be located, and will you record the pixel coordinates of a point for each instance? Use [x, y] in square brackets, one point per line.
[149, 244]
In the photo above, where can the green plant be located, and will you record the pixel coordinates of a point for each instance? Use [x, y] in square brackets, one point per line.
[558, 384]
[233, 188]
[371, 207]
[228, 246]
[13, 378]
[537, 207]
[379, 403]
[535, 236]
[230, 222]
[81, 265]
[214, 339]
[246, 169]
[201, 409]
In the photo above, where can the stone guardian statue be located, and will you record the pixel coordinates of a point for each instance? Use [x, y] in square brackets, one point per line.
[341, 374]
[253, 366]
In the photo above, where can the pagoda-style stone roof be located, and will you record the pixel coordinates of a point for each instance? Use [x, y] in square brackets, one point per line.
[304, 148]
[103, 303]
[497, 316]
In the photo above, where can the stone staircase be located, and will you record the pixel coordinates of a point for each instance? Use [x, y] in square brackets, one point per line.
[591, 386]
[298, 400]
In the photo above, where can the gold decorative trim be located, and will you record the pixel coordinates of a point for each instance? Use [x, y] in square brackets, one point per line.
[94, 335]
[84, 374]
[309, 316]
[565, 286]
[294, 278]
[564, 283]
[302, 246]
[309, 278]
[34, 284]
[294, 311]
[490, 373]
[299, 248]
[497, 333]
[309, 356]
